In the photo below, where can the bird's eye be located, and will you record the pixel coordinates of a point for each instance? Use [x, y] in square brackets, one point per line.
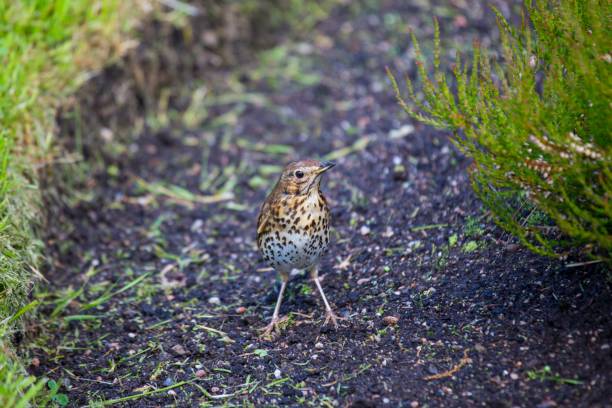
[299, 174]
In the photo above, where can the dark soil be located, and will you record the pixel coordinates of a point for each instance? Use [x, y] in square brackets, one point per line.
[411, 241]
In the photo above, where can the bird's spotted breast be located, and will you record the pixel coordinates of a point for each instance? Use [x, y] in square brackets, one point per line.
[298, 233]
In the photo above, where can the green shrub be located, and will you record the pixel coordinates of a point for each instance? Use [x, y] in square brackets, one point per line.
[536, 122]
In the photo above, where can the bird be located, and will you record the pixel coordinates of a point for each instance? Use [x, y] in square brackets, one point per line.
[293, 229]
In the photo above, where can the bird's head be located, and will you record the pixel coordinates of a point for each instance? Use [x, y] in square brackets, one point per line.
[300, 177]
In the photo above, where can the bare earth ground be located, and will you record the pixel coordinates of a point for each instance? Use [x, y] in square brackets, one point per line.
[411, 241]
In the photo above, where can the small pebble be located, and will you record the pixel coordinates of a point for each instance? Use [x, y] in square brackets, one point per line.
[363, 280]
[277, 373]
[390, 320]
[548, 403]
[168, 382]
[386, 400]
[200, 373]
[215, 389]
[171, 392]
[214, 300]
[240, 310]
[401, 132]
[414, 404]
[364, 230]
[197, 225]
[319, 345]
[514, 376]
[178, 349]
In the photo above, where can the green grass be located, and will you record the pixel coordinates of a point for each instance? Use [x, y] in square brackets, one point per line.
[17, 389]
[47, 49]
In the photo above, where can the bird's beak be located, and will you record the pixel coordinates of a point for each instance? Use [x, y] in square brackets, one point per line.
[325, 165]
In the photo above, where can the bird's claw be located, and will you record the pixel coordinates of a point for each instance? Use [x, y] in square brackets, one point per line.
[330, 316]
[273, 327]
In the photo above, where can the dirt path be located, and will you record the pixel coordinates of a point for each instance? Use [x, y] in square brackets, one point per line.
[410, 241]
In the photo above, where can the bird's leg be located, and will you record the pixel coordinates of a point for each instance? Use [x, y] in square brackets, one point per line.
[329, 313]
[273, 326]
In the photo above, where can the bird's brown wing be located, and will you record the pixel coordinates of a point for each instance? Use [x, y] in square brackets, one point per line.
[264, 216]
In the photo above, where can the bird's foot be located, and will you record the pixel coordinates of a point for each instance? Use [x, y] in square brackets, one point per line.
[273, 327]
[330, 316]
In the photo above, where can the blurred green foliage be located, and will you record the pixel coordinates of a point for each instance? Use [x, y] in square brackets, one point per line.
[536, 122]
[47, 48]
[301, 16]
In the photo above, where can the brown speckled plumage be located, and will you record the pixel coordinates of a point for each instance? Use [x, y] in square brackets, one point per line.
[293, 226]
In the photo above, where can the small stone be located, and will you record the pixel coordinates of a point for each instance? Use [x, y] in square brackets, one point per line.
[197, 225]
[480, 348]
[215, 389]
[401, 132]
[432, 370]
[178, 349]
[240, 309]
[168, 382]
[131, 335]
[319, 345]
[514, 376]
[364, 230]
[171, 392]
[388, 232]
[390, 320]
[386, 400]
[200, 373]
[414, 404]
[106, 134]
[35, 362]
[277, 373]
[214, 300]
[547, 403]
[363, 280]
[460, 21]
[512, 247]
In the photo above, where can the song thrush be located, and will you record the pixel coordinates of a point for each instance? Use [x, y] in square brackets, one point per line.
[293, 228]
